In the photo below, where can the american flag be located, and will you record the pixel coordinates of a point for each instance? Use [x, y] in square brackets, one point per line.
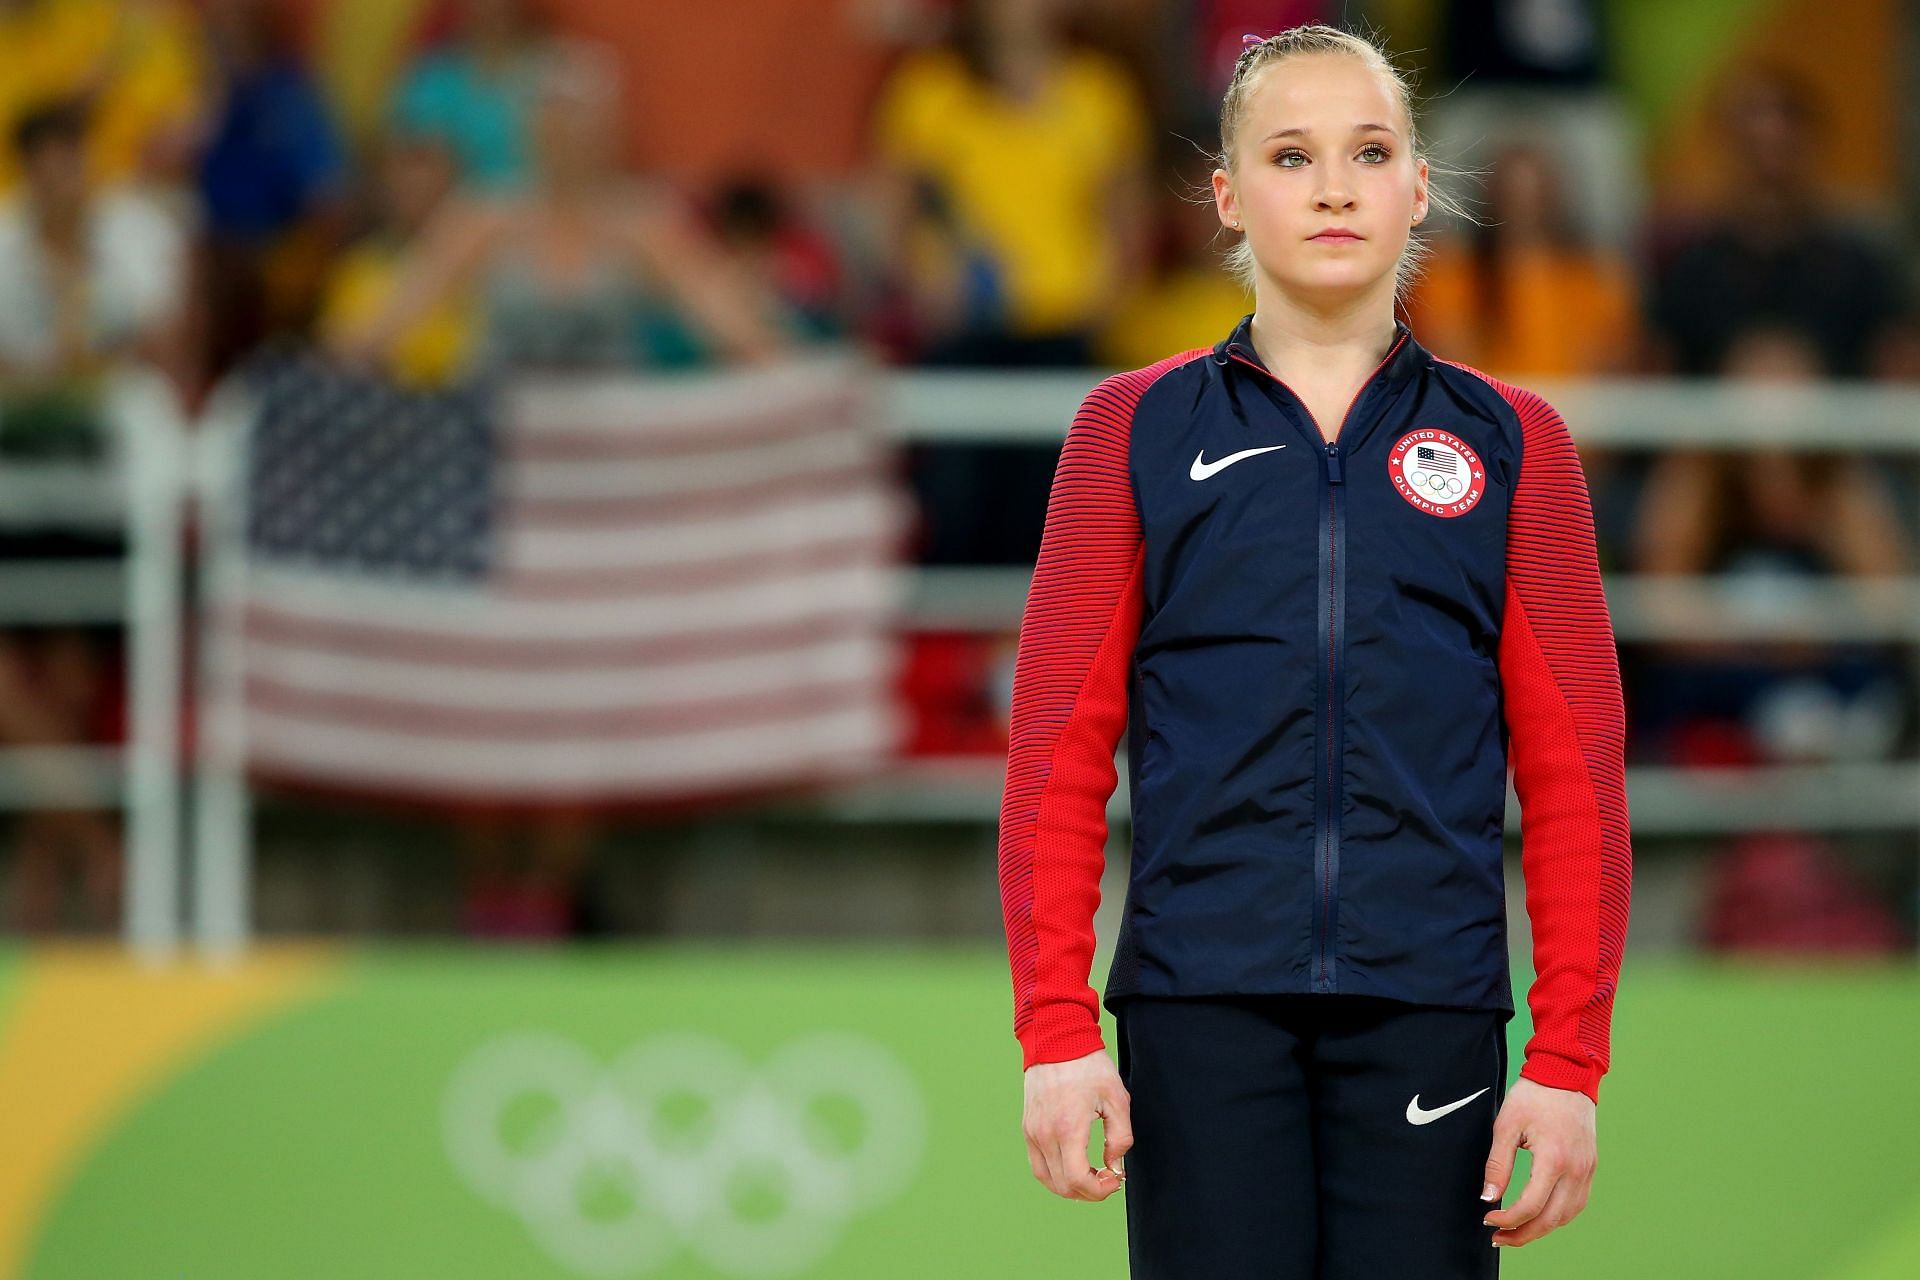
[1432, 458]
[614, 588]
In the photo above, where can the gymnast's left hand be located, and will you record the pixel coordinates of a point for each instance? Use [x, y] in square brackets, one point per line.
[1557, 1126]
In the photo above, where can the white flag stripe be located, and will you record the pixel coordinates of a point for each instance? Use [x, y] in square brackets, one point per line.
[773, 526]
[371, 639]
[423, 717]
[625, 409]
[568, 686]
[867, 590]
[707, 439]
[630, 582]
[825, 454]
[647, 766]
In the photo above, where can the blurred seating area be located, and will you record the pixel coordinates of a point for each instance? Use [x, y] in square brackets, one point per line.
[1702, 247]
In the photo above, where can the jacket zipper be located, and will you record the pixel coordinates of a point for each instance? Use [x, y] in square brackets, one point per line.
[1327, 856]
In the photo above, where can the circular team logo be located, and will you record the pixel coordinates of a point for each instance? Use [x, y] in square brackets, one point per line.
[1437, 472]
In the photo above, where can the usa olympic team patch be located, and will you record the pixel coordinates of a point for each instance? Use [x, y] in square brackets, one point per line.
[1437, 472]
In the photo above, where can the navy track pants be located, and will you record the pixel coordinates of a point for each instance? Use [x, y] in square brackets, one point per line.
[1273, 1137]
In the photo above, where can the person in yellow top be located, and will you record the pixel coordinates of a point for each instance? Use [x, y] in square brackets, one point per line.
[1524, 296]
[135, 64]
[417, 171]
[1187, 301]
[1012, 171]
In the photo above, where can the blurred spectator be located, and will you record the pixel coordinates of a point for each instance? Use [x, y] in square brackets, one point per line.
[1218, 27]
[477, 92]
[414, 175]
[951, 681]
[790, 259]
[1774, 251]
[1526, 294]
[58, 688]
[580, 270]
[1768, 519]
[1542, 72]
[134, 63]
[86, 277]
[272, 182]
[1011, 169]
[1188, 299]
[1789, 893]
[583, 269]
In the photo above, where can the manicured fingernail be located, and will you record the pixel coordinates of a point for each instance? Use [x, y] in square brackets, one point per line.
[1489, 1192]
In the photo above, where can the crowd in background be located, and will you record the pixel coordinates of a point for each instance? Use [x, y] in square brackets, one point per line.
[177, 190]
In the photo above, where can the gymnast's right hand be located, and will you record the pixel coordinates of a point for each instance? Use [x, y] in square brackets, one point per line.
[1063, 1099]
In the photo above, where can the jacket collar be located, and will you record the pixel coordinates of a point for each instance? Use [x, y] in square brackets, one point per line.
[1408, 354]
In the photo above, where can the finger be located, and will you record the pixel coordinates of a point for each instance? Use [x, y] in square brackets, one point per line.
[1540, 1183]
[1052, 1150]
[1067, 1154]
[1084, 1182]
[1118, 1127]
[1036, 1161]
[1566, 1201]
[1093, 1184]
[1506, 1141]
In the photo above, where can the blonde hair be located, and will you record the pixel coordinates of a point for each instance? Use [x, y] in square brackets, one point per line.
[1314, 37]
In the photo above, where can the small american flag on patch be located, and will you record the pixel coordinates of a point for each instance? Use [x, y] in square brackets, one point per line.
[600, 588]
[1431, 458]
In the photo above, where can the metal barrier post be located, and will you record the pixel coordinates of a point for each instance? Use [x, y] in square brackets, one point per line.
[145, 414]
[222, 812]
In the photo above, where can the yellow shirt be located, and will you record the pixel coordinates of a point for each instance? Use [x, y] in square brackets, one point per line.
[1193, 307]
[1026, 180]
[1561, 314]
[141, 59]
[432, 352]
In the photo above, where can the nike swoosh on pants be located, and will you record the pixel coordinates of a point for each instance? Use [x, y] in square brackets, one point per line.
[1417, 1116]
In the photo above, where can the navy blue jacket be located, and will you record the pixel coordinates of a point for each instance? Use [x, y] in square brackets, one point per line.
[1325, 657]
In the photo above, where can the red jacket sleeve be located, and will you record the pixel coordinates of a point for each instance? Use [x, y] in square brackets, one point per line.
[1069, 708]
[1559, 672]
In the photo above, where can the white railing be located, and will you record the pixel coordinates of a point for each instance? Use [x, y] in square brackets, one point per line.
[223, 804]
[138, 489]
[169, 466]
[1642, 606]
[1621, 413]
[1636, 413]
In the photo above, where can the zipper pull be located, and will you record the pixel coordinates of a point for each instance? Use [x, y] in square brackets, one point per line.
[1333, 464]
